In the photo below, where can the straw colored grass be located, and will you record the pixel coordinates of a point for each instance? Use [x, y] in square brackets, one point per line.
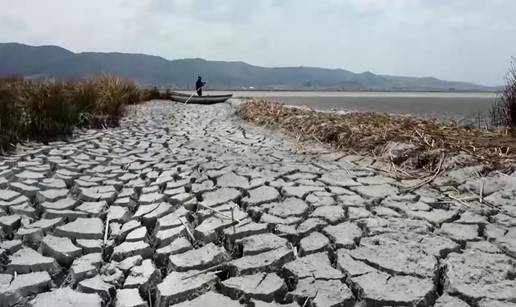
[370, 133]
[47, 109]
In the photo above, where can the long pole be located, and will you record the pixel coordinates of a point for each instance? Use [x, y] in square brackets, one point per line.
[186, 101]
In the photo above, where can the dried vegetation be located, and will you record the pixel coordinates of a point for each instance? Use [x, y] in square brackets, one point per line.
[503, 113]
[419, 143]
[46, 109]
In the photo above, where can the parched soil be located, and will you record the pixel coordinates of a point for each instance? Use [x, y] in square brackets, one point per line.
[188, 205]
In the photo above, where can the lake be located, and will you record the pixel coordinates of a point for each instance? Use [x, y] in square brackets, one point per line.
[460, 107]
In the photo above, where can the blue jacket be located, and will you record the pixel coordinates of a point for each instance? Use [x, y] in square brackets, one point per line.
[199, 84]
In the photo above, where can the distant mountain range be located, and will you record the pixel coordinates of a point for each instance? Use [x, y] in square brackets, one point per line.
[53, 61]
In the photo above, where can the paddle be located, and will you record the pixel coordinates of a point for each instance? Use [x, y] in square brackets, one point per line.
[186, 101]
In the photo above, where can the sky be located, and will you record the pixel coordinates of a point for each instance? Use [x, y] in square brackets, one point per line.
[460, 40]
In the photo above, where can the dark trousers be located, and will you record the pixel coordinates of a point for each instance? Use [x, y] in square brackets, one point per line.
[199, 91]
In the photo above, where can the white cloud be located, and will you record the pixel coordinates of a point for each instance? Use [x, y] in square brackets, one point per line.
[451, 39]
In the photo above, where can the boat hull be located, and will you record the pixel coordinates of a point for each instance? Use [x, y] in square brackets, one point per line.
[179, 97]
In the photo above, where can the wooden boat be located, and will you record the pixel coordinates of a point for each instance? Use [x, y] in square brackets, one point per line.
[180, 97]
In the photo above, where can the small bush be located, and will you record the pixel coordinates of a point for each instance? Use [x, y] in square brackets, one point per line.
[114, 94]
[50, 108]
[503, 112]
[152, 93]
[85, 96]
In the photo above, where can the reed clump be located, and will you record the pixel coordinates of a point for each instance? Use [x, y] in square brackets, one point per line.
[46, 109]
[371, 133]
[503, 113]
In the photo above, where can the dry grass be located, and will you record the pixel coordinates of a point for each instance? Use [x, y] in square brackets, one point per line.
[371, 132]
[48, 109]
[503, 112]
[11, 116]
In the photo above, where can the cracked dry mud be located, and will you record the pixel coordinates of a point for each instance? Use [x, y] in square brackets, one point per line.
[291, 228]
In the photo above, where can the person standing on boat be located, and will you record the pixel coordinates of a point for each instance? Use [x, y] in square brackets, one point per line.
[199, 85]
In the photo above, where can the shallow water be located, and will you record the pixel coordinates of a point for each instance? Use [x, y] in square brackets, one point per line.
[455, 106]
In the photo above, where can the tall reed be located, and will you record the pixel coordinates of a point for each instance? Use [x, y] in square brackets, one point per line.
[46, 109]
[11, 114]
[503, 112]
